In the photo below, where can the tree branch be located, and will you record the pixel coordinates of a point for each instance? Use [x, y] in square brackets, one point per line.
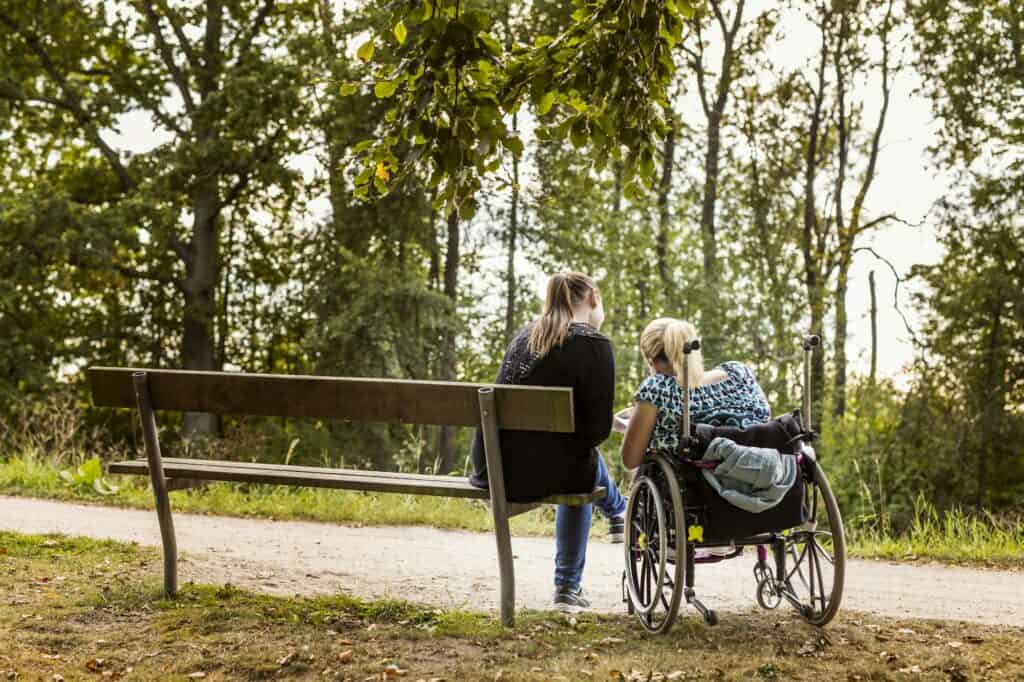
[254, 30]
[896, 290]
[153, 21]
[179, 33]
[73, 102]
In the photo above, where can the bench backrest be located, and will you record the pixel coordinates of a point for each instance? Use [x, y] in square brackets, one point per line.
[530, 408]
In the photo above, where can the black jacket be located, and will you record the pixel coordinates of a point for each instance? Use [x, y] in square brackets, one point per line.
[537, 464]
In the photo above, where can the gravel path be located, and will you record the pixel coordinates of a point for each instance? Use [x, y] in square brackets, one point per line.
[459, 569]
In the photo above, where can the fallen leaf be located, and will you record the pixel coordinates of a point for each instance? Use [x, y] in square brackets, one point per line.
[616, 675]
[197, 675]
[345, 656]
[288, 658]
[954, 644]
[674, 675]
[394, 671]
[94, 665]
[612, 640]
[906, 631]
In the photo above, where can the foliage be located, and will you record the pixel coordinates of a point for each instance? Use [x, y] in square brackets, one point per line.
[89, 476]
[600, 83]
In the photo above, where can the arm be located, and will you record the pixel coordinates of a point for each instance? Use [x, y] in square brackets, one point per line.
[638, 434]
[598, 392]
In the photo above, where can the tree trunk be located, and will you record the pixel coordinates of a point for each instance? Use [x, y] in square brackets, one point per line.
[446, 440]
[201, 265]
[812, 253]
[994, 392]
[872, 376]
[510, 267]
[664, 189]
[839, 342]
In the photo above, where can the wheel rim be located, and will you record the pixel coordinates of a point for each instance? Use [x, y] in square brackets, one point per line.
[660, 605]
[816, 555]
[645, 546]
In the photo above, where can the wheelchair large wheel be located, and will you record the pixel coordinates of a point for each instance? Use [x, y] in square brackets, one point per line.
[655, 546]
[816, 555]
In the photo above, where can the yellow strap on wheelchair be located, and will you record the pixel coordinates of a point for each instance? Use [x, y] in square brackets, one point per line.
[696, 534]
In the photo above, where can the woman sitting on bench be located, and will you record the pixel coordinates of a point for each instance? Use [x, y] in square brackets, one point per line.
[563, 347]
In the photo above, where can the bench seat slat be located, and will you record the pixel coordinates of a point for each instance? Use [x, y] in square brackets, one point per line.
[320, 477]
[313, 470]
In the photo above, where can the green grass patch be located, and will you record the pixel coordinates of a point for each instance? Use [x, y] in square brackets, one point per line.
[955, 537]
[82, 609]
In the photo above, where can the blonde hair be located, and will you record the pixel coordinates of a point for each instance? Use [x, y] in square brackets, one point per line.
[664, 338]
[565, 290]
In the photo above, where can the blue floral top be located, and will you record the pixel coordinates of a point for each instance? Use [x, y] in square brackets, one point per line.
[735, 401]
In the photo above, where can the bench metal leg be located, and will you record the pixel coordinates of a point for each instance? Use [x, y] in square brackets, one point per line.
[156, 474]
[499, 505]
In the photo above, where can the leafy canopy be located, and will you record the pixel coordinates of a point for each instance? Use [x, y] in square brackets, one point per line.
[602, 82]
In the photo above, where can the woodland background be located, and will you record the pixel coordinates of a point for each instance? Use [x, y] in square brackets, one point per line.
[278, 223]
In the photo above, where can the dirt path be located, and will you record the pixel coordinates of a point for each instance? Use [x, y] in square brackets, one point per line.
[459, 569]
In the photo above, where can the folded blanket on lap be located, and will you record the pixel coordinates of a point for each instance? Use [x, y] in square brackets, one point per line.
[751, 478]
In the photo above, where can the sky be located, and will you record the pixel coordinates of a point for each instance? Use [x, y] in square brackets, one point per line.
[907, 186]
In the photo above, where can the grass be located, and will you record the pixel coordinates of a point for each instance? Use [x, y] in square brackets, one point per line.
[955, 537]
[84, 609]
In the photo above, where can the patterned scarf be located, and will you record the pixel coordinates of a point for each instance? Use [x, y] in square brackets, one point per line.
[519, 361]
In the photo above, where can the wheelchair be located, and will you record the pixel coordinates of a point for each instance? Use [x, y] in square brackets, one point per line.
[674, 516]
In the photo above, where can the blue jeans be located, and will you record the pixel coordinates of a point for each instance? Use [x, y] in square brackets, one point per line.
[572, 527]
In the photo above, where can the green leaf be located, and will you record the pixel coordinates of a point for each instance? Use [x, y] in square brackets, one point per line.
[348, 89]
[492, 45]
[513, 144]
[401, 33]
[546, 102]
[365, 51]
[385, 89]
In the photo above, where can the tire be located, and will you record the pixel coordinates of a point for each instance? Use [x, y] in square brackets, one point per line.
[813, 552]
[661, 607]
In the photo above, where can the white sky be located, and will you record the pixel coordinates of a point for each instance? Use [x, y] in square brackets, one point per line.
[906, 185]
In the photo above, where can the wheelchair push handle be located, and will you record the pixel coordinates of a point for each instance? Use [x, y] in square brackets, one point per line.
[810, 342]
[688, 348]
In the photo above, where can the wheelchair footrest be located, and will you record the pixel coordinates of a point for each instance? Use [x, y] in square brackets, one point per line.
[710, 617]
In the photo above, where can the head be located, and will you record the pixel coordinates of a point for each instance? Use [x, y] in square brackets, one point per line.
[662, 345]
[571, 296]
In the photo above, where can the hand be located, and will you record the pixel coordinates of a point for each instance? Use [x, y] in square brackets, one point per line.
[621, 420]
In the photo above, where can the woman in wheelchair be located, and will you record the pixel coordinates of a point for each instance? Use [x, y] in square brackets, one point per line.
[728, 395]
[737, 478]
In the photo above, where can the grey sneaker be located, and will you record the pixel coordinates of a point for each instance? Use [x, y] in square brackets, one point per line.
[569, 600]
[617, 529]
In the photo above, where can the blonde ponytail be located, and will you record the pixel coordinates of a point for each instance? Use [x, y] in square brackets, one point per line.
[664, 338]
[565, 291]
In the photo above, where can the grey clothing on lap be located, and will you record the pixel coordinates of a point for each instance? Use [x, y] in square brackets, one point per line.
[753, 479]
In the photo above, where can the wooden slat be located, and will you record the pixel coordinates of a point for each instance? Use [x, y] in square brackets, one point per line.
[342, 479]
[315, 470]
[532, 408]
[320, 477]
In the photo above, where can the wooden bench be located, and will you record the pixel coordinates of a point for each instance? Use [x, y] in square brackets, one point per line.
[490, 407]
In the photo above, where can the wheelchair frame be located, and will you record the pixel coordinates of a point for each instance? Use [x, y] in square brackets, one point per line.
[664, 524]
